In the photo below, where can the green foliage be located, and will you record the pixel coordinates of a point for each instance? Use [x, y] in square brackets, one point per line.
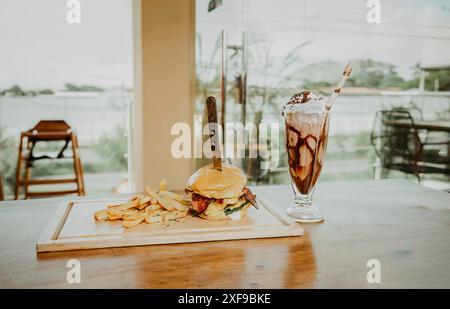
[83, 88]
[442, 75]
[314, 86]
[18, 91]
[113, 148]
[444, 80]
[110, 148]
[374, 74]
[14, 90]
[410, 84]
[46, 91]
[61, 168]
[8, 157]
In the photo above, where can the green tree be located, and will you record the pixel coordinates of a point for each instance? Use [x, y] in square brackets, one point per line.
[443, 76]
[15, 90]
[444, 80]
[8, 157]
[113, 147]
[46, 91]
[374, 74]
[84, 88]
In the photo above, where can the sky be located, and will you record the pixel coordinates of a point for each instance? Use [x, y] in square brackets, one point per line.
[39, 49]
[410, 32]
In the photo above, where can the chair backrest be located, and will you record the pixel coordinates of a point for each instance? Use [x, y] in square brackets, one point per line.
[51, 126]
[395, 138]
[403, 141]
[49, 130]
[2, 195]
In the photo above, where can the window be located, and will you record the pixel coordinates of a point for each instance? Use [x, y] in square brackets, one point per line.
[80, 73]
[290, 45]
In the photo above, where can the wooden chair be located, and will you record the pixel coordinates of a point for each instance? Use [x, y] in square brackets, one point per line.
[48, 131]
[2, 194]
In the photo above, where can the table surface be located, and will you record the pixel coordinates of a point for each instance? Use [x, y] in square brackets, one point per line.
[405, 226]
[423, 124]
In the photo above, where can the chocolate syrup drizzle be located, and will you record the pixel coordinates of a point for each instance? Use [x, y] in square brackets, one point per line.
[313, 169]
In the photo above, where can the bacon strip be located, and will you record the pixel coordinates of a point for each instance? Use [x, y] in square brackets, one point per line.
[200, 203]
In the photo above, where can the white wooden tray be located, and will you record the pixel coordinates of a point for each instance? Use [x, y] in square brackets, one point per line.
[73, 227]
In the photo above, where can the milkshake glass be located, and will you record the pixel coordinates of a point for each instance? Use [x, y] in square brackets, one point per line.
[307, 121]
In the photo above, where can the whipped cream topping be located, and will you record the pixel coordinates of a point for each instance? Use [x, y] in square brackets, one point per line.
[304, 102]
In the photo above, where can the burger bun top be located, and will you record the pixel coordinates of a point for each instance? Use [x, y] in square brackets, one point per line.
[211, 183]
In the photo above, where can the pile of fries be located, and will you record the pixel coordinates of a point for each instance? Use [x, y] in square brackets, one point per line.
[150, 207]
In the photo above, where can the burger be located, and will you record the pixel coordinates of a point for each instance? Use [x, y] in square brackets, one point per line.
[219, 194]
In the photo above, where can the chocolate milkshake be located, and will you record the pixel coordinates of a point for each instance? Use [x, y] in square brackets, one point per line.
[306, 120]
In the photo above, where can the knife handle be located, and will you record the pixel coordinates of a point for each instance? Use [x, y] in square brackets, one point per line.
[214, 132]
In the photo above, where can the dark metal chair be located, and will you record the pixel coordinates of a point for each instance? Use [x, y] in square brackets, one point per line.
[400, 146]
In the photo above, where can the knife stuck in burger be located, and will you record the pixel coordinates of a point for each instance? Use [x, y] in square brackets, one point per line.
[218, 191]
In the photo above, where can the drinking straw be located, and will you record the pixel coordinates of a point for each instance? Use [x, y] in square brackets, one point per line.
[337, 90]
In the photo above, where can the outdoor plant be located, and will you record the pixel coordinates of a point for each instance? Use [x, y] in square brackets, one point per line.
[8, 160]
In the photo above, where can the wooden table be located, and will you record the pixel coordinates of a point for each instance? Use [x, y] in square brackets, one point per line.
[403, 225]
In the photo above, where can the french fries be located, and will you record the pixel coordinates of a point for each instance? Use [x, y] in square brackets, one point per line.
[153, 207]
[155, 217]
[166, 203]
[149, 207]
[101, 215]
[131, 223]
[173, 196]
[173, 215]
[162, 185]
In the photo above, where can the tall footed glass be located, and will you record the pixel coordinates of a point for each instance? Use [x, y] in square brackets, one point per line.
[306, 143]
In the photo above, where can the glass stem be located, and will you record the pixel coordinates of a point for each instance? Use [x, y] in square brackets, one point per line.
[303, 200]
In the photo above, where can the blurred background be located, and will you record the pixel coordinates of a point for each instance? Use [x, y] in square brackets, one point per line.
[253, 55]
[281, 47]
[81, 73]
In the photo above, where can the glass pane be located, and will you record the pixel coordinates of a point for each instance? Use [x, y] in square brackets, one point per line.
[55, 68]
[294, 45]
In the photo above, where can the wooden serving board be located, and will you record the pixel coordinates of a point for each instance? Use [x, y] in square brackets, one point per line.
[73, 227]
